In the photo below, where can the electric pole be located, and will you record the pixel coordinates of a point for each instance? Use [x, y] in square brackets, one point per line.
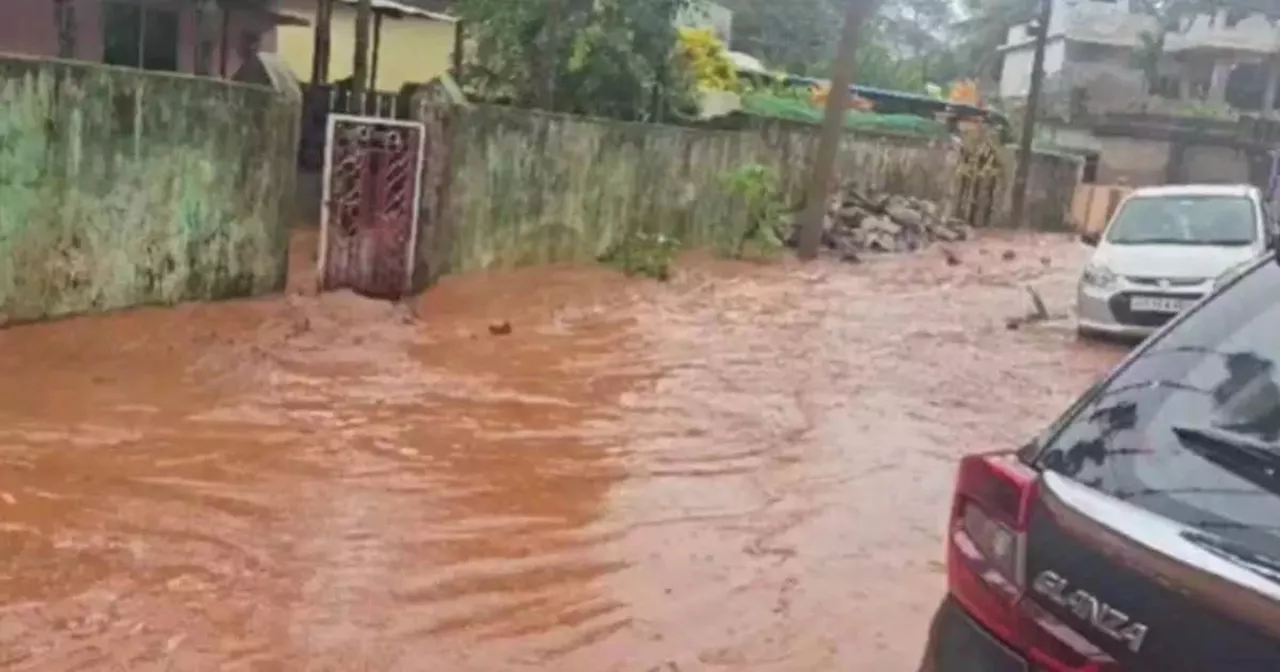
[824, 160]
[1018, 204]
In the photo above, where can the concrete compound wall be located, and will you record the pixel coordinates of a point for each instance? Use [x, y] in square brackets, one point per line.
[1051, 190]
[505, 187]
[120, 187]
[528, 187]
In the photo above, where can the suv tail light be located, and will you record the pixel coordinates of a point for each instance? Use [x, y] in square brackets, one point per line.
[986, 547]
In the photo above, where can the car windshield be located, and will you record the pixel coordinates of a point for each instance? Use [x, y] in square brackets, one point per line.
[1190, 427]
[1185, 220]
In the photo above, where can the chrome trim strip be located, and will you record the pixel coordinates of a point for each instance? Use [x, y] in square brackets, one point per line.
[1153, 545]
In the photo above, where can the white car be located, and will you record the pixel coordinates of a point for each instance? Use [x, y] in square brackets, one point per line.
[1164, 248]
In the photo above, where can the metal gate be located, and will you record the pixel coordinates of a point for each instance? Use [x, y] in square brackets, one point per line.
[369, 217]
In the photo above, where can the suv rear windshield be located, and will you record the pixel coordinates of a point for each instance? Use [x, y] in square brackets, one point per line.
[1189, 427]
[1185, 220]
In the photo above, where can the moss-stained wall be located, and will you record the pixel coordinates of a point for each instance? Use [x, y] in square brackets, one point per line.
[528, 187]
[1051, 187]
[119, 188]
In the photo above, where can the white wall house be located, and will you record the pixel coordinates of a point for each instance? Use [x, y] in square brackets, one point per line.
[1091, 44]
[1081, 32]
[707, 14]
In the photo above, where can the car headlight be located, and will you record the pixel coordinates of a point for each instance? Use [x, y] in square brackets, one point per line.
[1096, 275]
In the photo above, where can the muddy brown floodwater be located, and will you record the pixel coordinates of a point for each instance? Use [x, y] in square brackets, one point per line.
[744, 469]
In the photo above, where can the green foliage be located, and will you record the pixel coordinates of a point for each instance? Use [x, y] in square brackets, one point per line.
[880, 67]
[648, 254]
[706, 60]
[756, 188]
[609, 58]
[1168, 15]
[901, 47]
[1202, 110]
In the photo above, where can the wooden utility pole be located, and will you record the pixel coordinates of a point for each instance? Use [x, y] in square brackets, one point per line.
[206, 11]
[824, 161]
[1018, 203]
[320, 49]
[64, 19]
[224, 42]
[360, 60]
[377, 49]
[459, 47]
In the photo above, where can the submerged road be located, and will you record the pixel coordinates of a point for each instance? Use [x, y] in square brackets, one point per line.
[745, 469]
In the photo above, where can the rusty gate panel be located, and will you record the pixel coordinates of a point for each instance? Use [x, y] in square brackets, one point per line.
[980, 175]
[369, 217]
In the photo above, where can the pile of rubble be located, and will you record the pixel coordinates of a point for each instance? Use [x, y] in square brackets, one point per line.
[872, 222]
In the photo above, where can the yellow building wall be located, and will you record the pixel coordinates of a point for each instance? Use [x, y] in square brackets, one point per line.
[413, 50]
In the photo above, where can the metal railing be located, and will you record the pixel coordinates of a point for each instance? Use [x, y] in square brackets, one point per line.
[319, 101]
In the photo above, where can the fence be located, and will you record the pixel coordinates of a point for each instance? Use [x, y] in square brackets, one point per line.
[321, 100]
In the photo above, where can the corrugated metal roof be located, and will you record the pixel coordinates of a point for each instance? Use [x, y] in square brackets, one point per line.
[440, 6]
[405, 9]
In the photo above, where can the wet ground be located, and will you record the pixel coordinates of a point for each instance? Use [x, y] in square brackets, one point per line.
[745, 469]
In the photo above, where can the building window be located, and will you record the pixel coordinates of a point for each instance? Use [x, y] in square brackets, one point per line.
[139, 36]
[1084, 52]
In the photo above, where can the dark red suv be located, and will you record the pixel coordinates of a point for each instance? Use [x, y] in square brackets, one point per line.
[1141, 531]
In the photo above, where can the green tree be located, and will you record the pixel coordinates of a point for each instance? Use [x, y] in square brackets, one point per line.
[1169, 16]
[986, 26]
[597, 57]
[902, 47]
[797, 36]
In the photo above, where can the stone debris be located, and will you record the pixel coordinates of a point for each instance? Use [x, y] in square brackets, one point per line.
[858, 223]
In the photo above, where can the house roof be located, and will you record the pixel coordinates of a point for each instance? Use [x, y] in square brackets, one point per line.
[403, 8]
[263, 12]
[440, 6]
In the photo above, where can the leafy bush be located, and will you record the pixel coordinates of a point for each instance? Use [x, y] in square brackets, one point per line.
[761, 234]
[648, 254]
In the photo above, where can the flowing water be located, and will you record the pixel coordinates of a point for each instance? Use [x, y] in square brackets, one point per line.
[744, 469]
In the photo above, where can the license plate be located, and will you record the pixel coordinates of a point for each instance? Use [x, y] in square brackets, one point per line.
[1159, 304]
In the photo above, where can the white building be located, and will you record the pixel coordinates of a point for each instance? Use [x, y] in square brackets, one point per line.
[1092, 44]
[1083, 35]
